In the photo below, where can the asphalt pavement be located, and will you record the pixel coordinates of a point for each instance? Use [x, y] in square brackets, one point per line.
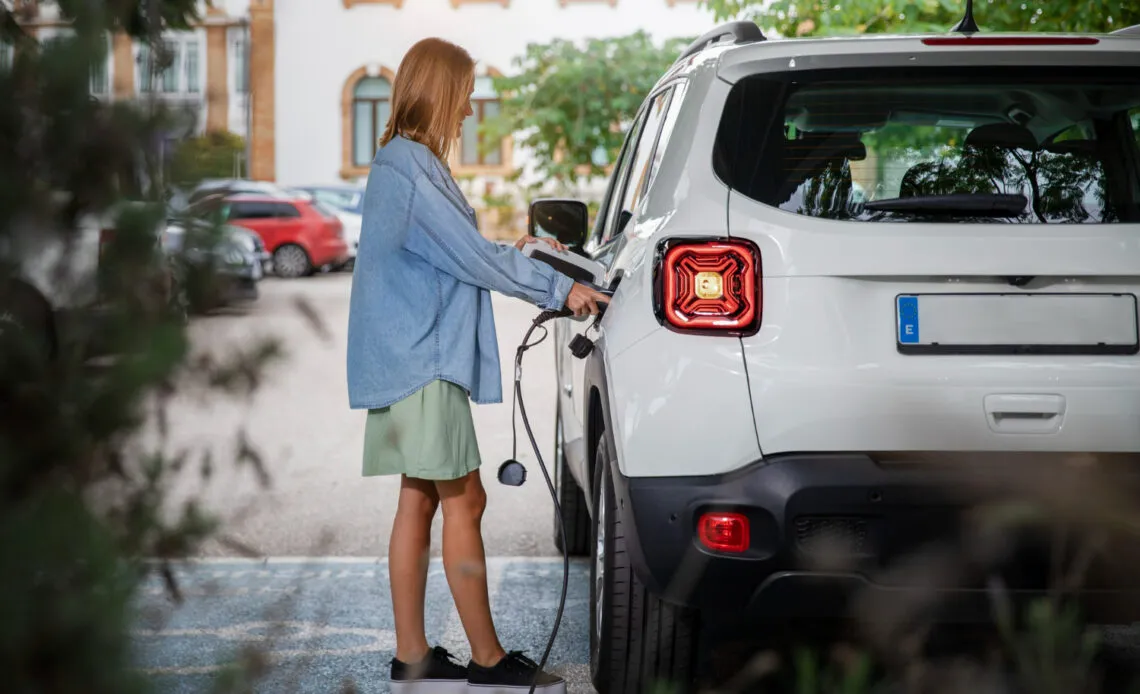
[316, 502]
[326, 622]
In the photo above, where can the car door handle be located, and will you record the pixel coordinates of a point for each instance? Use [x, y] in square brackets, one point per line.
[1033, 413]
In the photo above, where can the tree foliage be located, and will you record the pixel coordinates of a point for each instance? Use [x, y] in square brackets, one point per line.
[568, 103]
[211, 155]
[84, 502]
[832, 17]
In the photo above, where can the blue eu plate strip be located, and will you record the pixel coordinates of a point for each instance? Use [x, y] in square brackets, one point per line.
[908, 320]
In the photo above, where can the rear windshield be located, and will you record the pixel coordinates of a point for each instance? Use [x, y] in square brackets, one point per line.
[1014, 145]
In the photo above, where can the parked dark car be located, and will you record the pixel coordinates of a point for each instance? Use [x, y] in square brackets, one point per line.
[216, 266]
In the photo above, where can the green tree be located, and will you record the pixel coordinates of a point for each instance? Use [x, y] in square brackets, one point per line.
[569, 103]
[833, 17]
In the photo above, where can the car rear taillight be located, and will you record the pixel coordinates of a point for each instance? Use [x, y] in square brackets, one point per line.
[724, 532]
[710, 286]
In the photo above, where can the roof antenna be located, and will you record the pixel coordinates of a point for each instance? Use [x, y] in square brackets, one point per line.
[967, 25]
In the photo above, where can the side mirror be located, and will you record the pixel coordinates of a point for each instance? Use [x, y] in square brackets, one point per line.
[562, 219]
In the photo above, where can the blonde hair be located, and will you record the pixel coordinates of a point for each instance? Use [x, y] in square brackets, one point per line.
[432, 83]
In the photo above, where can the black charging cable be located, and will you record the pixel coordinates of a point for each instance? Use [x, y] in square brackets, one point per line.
[513, 473]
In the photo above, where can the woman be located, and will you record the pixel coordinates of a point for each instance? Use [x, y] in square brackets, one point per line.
[421, 344]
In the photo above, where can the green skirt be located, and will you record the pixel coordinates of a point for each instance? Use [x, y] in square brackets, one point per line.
[428, 435]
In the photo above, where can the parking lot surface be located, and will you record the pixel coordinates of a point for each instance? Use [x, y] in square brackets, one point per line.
[326, 621]
[325, 624]
[316, 503]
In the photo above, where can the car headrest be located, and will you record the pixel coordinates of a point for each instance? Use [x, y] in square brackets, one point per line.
[1006, 135]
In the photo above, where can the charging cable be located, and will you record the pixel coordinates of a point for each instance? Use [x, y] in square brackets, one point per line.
[513, 473]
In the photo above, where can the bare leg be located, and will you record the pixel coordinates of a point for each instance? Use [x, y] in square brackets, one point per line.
[408, 565]
[465, 564]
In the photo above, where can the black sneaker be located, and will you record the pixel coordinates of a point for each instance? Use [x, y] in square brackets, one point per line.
[437, 672]
[514, 673]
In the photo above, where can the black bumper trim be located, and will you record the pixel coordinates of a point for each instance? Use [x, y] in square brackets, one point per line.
[886, 511]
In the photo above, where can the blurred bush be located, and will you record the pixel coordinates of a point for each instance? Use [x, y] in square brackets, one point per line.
[212, 155]
[93, 344]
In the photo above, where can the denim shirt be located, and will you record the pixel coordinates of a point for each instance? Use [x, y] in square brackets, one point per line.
[420, 308]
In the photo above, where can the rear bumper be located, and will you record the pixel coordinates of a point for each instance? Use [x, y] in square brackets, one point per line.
[879, 513]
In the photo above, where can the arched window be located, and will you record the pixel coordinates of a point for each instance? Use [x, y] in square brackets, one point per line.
[371, 107]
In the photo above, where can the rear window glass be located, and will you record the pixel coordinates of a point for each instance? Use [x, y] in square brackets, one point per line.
[1014, 145]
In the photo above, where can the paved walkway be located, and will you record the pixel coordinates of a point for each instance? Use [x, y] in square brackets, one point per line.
[327, 623]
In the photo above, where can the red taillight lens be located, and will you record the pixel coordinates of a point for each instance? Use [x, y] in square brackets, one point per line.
[711, 286]
[724, 532]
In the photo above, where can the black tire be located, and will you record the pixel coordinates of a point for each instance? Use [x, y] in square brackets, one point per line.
[290, 260]
[637, 642]
[571, 501]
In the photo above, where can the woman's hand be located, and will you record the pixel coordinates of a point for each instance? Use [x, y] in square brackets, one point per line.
[553, 243]
[584, 301]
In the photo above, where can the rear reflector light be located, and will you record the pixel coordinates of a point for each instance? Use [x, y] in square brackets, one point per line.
[710, 286]
[1012, 41]
[724, 532]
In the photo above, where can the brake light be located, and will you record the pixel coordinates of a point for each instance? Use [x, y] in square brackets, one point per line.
[711, 285]
[724, 532]
[1012, 41]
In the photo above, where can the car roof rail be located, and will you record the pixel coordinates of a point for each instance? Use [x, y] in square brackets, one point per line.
[741, 32]
[1133, 30]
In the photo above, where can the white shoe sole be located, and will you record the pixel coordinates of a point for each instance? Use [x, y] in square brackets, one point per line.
[428, 687]
[554, 688]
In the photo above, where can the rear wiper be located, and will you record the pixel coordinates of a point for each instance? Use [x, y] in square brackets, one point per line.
[968, 204]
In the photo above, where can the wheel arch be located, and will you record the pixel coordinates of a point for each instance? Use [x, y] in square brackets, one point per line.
[598, 420]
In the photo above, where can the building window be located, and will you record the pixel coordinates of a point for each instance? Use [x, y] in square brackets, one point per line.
[371, 107]
[475, 151]
[240, 62]
[365, 106]
[181, 75]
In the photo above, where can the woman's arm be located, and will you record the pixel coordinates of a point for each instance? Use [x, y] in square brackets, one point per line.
[442, 235]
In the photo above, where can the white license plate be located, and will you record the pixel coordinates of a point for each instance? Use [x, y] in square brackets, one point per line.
[1017, 324]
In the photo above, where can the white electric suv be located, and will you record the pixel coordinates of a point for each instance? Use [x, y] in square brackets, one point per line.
[840, 267]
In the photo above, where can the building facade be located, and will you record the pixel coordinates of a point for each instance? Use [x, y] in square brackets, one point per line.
[207, 77]
[307, 82]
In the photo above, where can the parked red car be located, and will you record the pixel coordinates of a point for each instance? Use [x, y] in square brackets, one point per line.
[303, 235]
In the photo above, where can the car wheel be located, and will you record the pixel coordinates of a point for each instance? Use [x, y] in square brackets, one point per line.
[291, 261]
[637, 642]
[571, 501]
